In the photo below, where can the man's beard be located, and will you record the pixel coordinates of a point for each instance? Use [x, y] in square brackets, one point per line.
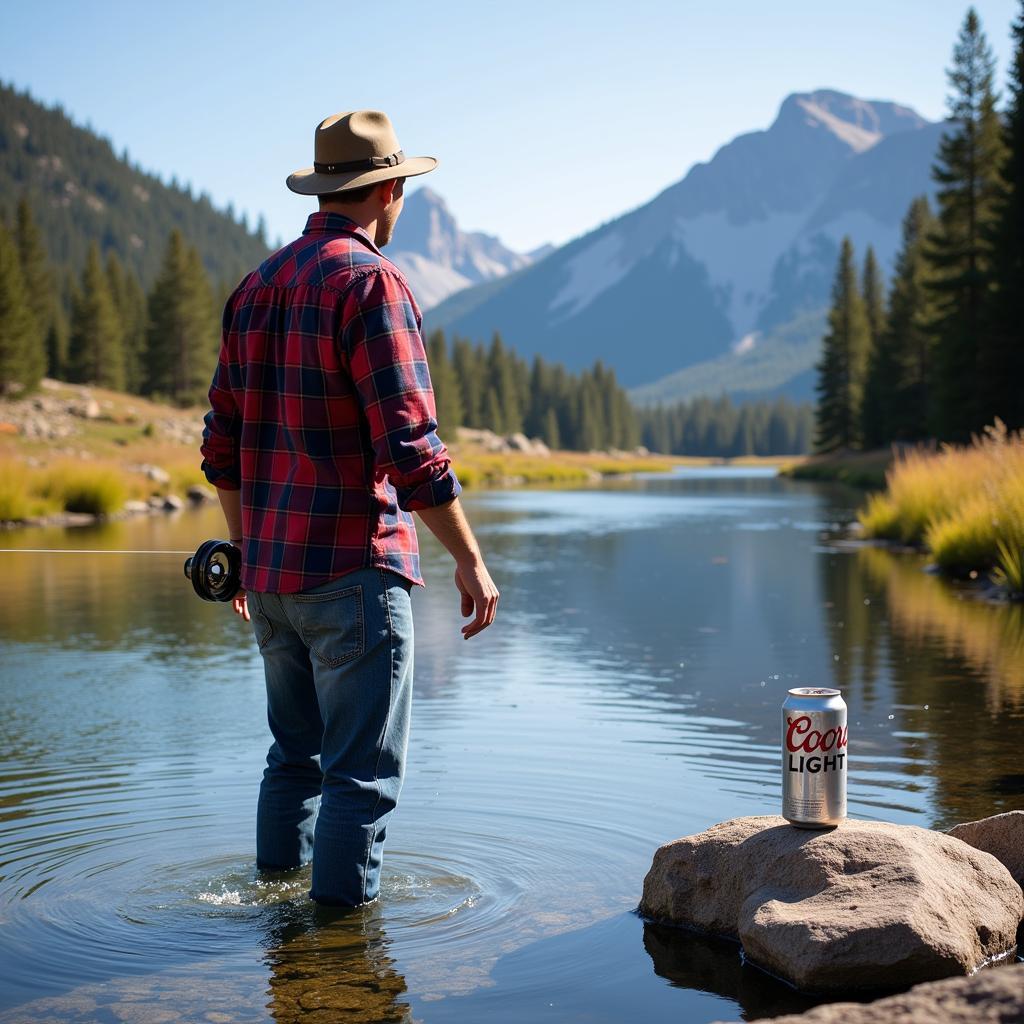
[385, 228]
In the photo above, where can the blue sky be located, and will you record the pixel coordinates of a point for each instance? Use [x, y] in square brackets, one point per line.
[548, 117]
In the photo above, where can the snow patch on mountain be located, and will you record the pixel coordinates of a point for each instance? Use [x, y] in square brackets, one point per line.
[858, 137]
[591, 272]
[739, 257]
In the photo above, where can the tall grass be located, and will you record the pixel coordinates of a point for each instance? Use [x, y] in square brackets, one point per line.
[964, 504]
[99, 489]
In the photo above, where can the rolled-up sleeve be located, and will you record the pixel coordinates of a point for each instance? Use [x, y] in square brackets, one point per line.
[222, 434]
[382, 340]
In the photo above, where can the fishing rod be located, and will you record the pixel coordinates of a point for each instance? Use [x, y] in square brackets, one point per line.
[215, 570]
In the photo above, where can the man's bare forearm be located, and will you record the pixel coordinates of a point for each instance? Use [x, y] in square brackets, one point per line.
[231, 503]
[448, 523]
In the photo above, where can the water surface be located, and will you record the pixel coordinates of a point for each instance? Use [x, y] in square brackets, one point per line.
[627, 694]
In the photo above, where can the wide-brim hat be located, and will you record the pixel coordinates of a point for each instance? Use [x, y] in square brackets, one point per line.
[353, 149]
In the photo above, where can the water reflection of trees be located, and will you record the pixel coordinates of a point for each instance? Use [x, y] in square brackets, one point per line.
[957, 673]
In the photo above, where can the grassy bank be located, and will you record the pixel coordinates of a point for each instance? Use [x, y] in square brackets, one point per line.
[964, 505]
[858, 469]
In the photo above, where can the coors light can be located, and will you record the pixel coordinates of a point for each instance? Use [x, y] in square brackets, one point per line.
[814, 757]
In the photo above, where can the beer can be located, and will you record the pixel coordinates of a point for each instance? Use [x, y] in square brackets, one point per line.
[814, 735]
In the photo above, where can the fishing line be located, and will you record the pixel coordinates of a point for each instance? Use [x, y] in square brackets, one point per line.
[88, 551]
[215, 570]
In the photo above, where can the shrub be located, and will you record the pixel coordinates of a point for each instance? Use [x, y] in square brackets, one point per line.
[96, 490]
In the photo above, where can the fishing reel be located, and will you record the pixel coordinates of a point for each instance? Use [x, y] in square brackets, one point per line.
[215, 570]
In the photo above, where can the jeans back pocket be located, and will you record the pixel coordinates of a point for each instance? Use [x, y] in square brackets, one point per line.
[331, 624]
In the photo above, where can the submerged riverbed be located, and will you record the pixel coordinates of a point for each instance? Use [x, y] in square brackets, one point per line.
[628, 693]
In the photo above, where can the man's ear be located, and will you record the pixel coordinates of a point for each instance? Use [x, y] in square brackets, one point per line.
[387, 191]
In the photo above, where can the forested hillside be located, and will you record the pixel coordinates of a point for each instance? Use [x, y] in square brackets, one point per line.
[82, 193]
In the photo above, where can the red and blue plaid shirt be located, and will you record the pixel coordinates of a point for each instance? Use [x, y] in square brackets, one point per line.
[323, 414]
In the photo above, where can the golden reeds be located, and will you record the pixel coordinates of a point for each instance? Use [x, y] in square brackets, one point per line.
[963, 504]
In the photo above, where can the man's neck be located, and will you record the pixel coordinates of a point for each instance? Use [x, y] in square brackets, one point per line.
[358, 213]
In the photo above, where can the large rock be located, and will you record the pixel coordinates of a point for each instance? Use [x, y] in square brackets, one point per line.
[989, 997]
[868, 905]
[1002, 835]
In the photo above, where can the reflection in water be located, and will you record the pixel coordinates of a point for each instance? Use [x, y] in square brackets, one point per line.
[958, 669]
[329, 967]
[925, 609]
[629, 694]
[716, 965]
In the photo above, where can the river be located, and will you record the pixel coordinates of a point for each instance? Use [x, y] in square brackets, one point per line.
[627, 694]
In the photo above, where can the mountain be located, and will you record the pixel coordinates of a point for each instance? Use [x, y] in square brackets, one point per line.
[722, 280]
[82, 192]
[439, 258]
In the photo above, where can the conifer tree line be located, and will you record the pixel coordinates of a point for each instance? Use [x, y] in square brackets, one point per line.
[101, 327]
[494, 388]
[104, 329]
[720, 428]
[941, 354]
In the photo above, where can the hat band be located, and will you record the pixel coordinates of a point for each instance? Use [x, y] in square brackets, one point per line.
[369, 164]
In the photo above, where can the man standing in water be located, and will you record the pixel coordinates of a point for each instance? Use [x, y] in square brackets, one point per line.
[321, 440]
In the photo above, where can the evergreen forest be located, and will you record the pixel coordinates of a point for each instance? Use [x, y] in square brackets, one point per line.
[940, 353]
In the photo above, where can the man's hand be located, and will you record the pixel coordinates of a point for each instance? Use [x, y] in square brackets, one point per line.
[240, 605]
[479, 594]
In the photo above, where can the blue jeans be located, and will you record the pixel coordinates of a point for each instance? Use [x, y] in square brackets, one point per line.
[338, 663]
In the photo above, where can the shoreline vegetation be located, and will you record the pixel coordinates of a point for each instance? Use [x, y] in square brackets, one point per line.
[963, 505]
[71, 454]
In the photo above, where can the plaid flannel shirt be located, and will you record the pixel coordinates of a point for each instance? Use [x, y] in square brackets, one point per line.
[323, 414]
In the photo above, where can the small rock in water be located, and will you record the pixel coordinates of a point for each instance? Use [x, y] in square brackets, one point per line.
[867, 905]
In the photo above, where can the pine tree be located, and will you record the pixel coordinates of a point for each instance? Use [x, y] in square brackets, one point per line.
[493, 417]
[535, 421]
[1002, 360]
[19, 331]
[909, 341]
[501, 376]
[879, 385]
[466, 362]
[182, 336]
[843, 363]
[970, 186]
[447, 396]
[782, 428]
[39, 286]
[95, 355]
[130, 303]
[550, 433]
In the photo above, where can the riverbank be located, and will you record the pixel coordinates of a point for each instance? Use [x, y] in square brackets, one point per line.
[858, 469]
[70, 454]
[964, 506]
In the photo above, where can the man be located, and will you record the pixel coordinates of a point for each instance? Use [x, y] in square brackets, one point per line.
[321, 441]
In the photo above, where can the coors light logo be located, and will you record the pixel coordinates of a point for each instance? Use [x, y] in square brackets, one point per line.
[813, 751]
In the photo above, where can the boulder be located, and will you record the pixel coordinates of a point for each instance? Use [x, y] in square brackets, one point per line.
[200, 495]
[867, 905]
[135, 508]
[519, 442]
[995, 996]
[172, 503]
[1002, 835]
[156, 474]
